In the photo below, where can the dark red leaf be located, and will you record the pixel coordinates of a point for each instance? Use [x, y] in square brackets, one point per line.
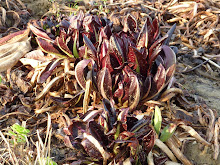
[117, 45]
[130, 23]
[142, 40]
[76, 21]
[158, 82]
[111, 117]
[156, 28]
[39, 33]
[104, 83]
[97, 131]
[148, 141]
[103, 49]
[90, 45]
[90, 115]
[106, 62]
[134, 92]
[48, 70]
[119, 92]
[77, 128]
[49, 47]
[169, 56]
[60, 41]
[79, 72]
[156, 44]
[137, 59]
[160, 160]
[16, 36]
[91, 149]
[123, 117]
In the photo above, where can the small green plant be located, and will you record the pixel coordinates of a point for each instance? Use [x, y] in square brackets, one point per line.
[0, 79]
[18, 133]
[157, 119]
[47, 161]
[168, 131]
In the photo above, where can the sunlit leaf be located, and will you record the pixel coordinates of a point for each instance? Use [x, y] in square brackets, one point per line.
[167, 132]
[157, 119]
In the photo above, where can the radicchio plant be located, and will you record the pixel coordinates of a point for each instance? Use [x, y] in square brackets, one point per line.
[125, 67]
[115, 138]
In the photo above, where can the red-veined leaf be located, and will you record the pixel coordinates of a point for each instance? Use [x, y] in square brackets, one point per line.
[90, 45]
[134, 92]
[158, 82]
[104, 83]
[79, 72]
[49, 47]
[142, 40]
[15, 37]
[39, 33]
[62, 45]
[130, 23]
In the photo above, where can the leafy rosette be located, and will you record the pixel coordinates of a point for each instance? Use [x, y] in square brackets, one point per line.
[129, 66]
[108, 135]
[125, 67]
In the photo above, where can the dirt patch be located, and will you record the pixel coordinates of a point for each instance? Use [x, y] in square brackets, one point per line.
[208, 90]
[37, 8]
[198, 155]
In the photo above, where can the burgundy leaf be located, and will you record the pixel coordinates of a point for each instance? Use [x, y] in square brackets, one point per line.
[156, 28]
[134, 92]
[153, 57]
[106, 62]
[125, 135]
[48, 70]
[102, 120]
[82, 51]
[156, 44]
[138, 59]
[76, 21]
[148, 141]
[142, 40]
[49, 47]
[64, 24]
[168, 56]
[63, 34]
[118, 47]
[104, 83]
[39, 33]
[60, 41]
[76, 129]
[90, 46]
[90, 115]
[79, 72]
[94, 148]
[97, 131]
[104, 49]
[160, 160]
[105, 33]
[123, 117]
[147, 87]
[14, 37]
[130, 23]
[119, 92]
[158, 82]
[91, 149]
[109, 108]
[169, 73]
